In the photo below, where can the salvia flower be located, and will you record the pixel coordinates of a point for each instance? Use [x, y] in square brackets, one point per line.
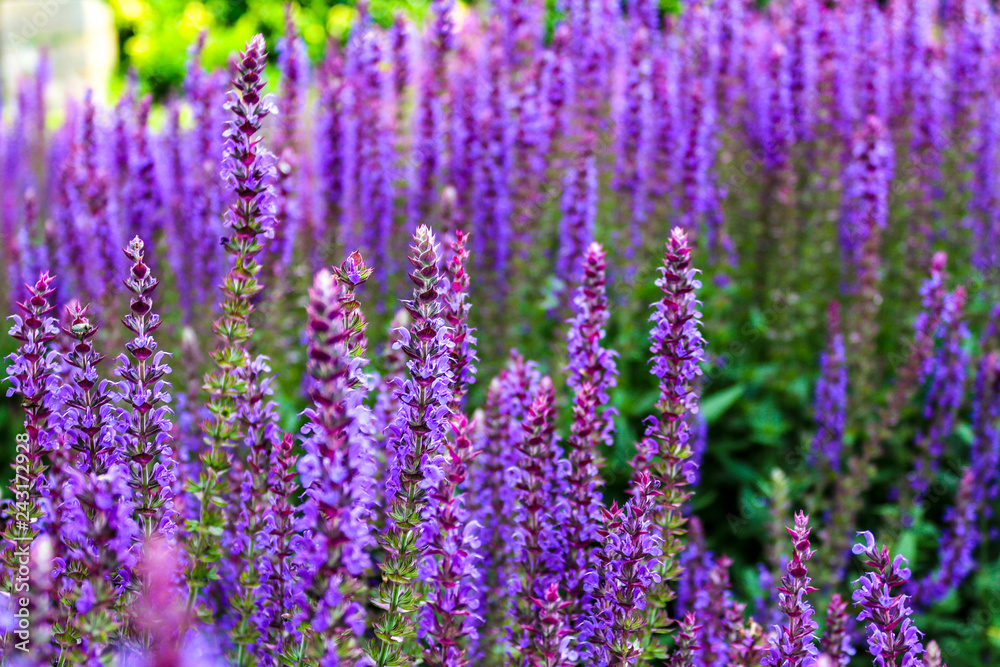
[248, 169]
[145, 389]
[687, 637]
[550, 635]
[866, 205]
[96, 511]
[836, 640]
[891, 632]
[533, 524]
[793, 644]
[416, 444]
[31, 373]
[831, 395]
[258, 416]
[335, 470]
[451, 542]
[677, 348]
[946, 392]
[508, 398]
[958, 544]
[461, 337]
[628, 567]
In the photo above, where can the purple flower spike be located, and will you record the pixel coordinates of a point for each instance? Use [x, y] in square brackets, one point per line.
[831, 395]
[248, 170]
[958, 544]
[629, 568]
[416, 447]
[31, 373]
[891, 632]
[866, 206]
[451, 616]
[144, 387]
[533, 524]
[336, 468]
[836, 640]
[592, 371]
[793, 644]
[550, 635]
[678, 348]
[462, 356]
[293, 62]
[89, 415]
[96, 509]
[687, 642]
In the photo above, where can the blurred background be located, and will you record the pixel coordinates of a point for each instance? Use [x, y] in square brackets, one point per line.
[94, 43]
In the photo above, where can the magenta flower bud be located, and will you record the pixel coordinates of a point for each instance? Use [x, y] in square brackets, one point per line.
[836, 640]
[793, 644]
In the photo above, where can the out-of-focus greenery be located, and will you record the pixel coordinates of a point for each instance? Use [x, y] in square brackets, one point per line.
[155, 35]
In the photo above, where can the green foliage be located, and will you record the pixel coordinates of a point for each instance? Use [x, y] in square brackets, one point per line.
[155, 35]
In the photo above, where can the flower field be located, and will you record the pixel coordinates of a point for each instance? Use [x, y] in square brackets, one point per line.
[595, 334]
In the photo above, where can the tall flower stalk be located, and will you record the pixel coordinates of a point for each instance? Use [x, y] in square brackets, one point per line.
[533, 524]
[332, 553]
[31, 373]
[629, 567]
[450, 536]
[417, 435]
[592, 371]
[145, 389]
[836, 640]
[793, 644]
[98, 526]
[249, 173]
[678, 348]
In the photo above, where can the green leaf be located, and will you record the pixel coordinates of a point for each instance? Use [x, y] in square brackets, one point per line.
[712, 407]
[766, 422]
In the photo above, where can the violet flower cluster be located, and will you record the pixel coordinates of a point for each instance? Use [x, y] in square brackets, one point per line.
[305, 508]
[632, 110]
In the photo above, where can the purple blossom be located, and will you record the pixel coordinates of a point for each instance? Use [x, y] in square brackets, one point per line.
[592, 371]
[946, 392]
[831, 396]
[793, 644]
[866, 207]
[836, 641]
[335, 470]
[417, 437]
[533, 525]
[145, 389]
[628, 567]
[891, 632]
[293, 62]
[451, 615]
[507, 401]
[677, 348]
[248, 171]
[958, 543]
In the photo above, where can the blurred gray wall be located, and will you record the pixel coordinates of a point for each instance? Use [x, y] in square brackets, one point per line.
[80, 38]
